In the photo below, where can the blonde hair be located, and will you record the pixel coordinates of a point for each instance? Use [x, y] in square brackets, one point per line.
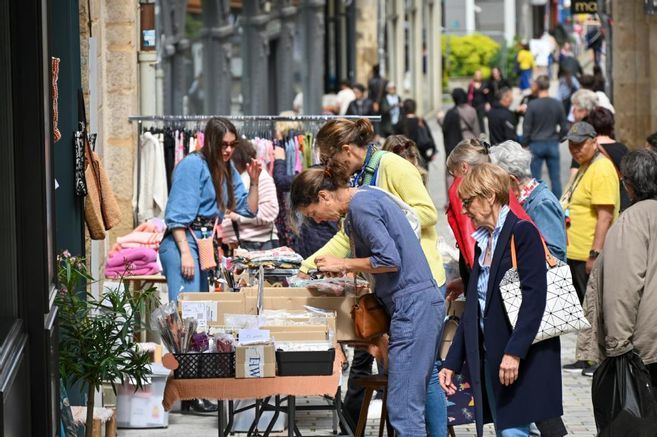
[471, 152]
[284, 127]
[486, 180]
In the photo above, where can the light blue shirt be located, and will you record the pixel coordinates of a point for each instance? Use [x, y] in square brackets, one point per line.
[481, 236]
[192, 193]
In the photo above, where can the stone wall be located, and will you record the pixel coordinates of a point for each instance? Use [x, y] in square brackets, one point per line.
[115, 26]
[634, 72]
[366, 39]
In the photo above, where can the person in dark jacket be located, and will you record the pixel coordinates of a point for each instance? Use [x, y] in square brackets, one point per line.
[522, 381]
[376, 88]
[477, 96]
[416, 129]
[362, 105]
[312, 236]
[502, 122]
[495, 84]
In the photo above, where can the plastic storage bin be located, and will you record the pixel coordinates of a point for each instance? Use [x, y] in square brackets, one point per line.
[305, 363]
[143, 408]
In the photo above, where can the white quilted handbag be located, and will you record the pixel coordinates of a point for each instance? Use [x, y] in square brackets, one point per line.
[563, 312]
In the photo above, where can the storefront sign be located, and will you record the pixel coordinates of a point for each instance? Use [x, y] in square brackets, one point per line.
[583, 7]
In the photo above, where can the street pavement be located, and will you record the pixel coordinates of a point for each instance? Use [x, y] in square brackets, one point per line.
[578, 411]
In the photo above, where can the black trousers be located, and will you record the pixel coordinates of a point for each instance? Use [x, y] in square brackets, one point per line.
[580, 277]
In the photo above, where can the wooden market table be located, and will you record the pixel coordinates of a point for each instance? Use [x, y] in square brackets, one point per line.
[280, 388]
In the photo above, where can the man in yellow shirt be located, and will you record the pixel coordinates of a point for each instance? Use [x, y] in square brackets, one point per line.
[525, 60]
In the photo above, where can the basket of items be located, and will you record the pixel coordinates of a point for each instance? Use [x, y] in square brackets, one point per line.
[197, 355]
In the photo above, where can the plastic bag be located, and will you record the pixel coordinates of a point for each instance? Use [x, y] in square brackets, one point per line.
[624, 402]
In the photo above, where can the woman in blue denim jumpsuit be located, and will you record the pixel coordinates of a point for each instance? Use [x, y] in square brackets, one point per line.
[205, 186]
[386, 247]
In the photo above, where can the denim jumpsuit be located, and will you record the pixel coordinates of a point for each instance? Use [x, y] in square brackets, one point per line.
[381, 232]
[192, 195]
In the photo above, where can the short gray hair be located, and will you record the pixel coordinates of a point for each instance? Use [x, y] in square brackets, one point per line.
[471, 151]
[639, 168]
[513, 158]
[585, 99]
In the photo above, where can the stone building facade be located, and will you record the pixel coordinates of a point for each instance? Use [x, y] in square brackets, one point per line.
[634, 71]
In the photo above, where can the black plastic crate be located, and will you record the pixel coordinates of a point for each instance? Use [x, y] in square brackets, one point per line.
[205, 365]
[305, 363]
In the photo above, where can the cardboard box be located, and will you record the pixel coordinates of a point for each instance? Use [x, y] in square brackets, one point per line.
[278, 298]
[226, 302]
[255, 361]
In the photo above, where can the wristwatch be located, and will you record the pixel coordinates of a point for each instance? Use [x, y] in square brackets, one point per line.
[593, 254]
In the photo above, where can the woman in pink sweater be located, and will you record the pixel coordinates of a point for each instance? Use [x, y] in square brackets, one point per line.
[259, 232]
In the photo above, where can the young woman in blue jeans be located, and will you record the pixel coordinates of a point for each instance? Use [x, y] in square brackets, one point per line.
[205, 186]
[386, 247]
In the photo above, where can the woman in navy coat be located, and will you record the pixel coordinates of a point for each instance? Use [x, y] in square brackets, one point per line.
[515, 383]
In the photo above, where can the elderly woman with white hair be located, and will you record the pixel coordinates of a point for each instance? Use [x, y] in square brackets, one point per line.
[533, 194]
[583, 101]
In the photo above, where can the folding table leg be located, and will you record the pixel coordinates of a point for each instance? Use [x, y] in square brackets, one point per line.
[291, 416]
[231, 417]
[338, 410]
[272, 422]
[222, 420]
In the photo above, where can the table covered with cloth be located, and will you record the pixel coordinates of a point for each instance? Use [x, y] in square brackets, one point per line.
[254, 388]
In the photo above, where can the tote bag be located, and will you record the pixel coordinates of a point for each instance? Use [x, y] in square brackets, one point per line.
[563, 312]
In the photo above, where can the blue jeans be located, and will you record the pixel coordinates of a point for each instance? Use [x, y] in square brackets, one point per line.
[171, 267]
[518, 431]
[416, 322]
[547, 151]
[436, 407]
[525, 79]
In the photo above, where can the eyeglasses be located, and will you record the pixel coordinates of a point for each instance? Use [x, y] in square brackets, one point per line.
[225, 145]
[467, 202]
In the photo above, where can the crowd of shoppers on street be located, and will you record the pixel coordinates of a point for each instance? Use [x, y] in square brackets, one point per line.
[368, 211]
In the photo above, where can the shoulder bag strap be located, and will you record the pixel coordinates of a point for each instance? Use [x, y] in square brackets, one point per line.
[236, 230]
[214, 230]
[549, 258]
[604, 152]
[467, 125]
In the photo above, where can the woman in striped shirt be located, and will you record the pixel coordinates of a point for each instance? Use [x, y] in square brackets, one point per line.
[259, 232]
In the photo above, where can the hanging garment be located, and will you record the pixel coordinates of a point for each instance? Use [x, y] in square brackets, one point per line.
[179, 146]
[151, 198]
[169, 145]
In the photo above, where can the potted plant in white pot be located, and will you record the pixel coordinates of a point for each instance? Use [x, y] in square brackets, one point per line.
[97, 335]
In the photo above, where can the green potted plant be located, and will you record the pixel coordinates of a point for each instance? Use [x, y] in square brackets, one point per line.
[97, 342]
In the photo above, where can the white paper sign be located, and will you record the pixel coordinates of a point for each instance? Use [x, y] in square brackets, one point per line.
[254, 336]
[202, 311]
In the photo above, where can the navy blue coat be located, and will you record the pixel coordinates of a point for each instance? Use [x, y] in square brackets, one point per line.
[536, 394]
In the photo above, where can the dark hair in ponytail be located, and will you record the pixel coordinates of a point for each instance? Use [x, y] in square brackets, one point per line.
[307, 185]
[215, 130]
[338, 132]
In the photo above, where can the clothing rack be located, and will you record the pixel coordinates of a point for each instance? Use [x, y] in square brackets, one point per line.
[259, 119]
[191, 118]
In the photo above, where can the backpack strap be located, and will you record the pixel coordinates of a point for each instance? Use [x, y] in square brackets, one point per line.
[372, 167]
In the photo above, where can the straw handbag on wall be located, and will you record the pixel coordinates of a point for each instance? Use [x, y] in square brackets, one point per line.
[101, 211]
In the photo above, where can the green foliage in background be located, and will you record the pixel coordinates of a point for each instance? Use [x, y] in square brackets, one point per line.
[469, 53]
[506, 60]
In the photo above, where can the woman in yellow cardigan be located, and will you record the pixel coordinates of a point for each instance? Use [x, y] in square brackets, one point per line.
[345, 147]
